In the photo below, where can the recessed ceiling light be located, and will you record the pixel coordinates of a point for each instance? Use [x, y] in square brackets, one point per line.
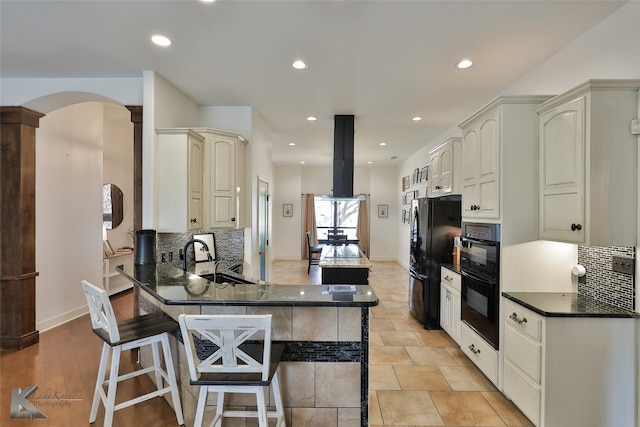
[208, 1]
[416, 118]
[299, 65]
[370, 162]
[465, 63]
[383, 143]
[292, 144]
[302, 163]
[161, 40]
[312, 118]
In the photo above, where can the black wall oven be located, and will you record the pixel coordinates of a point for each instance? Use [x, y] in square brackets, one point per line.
[480, 271]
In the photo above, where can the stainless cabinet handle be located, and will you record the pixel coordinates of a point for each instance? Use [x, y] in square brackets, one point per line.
[516, 319]
[448, 279]
[473, 349]
[575, 227]
[194, 220]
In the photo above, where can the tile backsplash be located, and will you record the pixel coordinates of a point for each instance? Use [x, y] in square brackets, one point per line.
[229, 245]
[602, 283]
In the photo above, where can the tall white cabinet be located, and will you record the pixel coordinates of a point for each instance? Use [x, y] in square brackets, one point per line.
[180, 181]
[442, 171]
[223, 177]
[588, 164]
[500, 166]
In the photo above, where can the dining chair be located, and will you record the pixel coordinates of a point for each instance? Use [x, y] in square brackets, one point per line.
[313, 251]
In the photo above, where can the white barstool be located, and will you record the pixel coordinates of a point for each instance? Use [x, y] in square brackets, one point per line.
[233, 354]
[139, 331]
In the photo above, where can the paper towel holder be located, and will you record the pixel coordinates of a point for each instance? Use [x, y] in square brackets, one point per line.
[578, 270]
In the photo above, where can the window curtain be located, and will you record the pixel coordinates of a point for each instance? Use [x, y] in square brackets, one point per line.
[362, 230]
[309, 224]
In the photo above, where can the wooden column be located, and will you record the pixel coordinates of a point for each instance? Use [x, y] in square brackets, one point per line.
[18, 227]
[136, 119]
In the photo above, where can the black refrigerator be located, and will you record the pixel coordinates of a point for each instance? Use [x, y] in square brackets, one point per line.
[434, 224]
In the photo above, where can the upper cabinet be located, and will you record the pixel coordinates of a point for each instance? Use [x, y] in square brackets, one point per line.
[180, 180]
[500, 166]
[223, 177]
[442, 168]
[480, 167]
[588, 164]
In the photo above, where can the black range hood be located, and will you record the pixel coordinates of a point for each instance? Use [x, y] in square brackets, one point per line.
[343, 147]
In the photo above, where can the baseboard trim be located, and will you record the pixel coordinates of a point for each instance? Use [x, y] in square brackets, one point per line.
[62, 318]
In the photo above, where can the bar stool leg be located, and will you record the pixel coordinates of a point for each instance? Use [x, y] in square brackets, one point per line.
[175, 395]
[102, 372]
[262, 407]
[202, 400]
[113, 384]
[277, 395]
[219, 409]
[157, 364]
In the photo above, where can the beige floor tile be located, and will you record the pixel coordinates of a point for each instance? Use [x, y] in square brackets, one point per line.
[406, 325]
[389, 355]
[465, 409]
[375, 339]
[381, 325]
[408, 408]
[435, 339]
[383, 313]
[399, 338]
[431, 356]
[458, 355]
[506, 409]
[383, 377]
[425, 378]
[466, 378]
[375, 417]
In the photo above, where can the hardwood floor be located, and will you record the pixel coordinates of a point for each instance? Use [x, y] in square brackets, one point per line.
[418, 377]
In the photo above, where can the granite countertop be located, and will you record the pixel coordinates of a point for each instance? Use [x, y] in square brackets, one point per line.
[343, 256]
[453, 267]
[173, 286]
[556, 304]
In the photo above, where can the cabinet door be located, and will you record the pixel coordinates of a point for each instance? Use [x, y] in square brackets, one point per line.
[488, 158]
[469, 173]
[446, 170]
[434, 174]
[444, 308]
[562, 140]
[223, 181]
[455, 315]
[195, 184]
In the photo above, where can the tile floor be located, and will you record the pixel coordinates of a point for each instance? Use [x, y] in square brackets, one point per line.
[417, 377]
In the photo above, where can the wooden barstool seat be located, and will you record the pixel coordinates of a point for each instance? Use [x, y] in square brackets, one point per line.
[136, 332]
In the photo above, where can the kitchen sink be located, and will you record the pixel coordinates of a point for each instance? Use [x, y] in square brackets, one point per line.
[226, 278]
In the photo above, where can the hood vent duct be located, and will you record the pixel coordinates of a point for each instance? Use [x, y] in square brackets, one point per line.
[343, 148]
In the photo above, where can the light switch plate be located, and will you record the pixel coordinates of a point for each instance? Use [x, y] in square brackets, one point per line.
[623, 264]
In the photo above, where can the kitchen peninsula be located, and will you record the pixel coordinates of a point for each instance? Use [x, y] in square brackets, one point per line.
[344, 264]
[325, 329]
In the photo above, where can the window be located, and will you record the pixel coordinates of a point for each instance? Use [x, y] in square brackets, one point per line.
[338, 215]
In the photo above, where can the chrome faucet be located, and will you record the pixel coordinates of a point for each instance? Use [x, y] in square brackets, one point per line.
[184, 251]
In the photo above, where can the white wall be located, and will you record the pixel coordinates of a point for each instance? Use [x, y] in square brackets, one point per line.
[287, 231]
[383, 244]
[118, 166]
[68, 210]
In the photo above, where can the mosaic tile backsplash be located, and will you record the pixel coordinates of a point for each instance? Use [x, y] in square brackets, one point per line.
[229, 244]
[601, 282]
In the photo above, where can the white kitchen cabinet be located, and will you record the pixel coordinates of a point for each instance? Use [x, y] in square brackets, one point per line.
[569, 371]
[481, 353]
[588, 164]
[450, 303]
[442, 168]
[112, 281]
[224, 177]
[179, 172]
[500, 167]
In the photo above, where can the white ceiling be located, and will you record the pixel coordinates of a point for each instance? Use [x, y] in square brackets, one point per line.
[383, 61]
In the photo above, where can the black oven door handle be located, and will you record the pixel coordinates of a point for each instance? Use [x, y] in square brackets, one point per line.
[478, 278]
[467, 242]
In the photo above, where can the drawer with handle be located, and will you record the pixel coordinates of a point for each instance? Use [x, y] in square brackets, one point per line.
[480, 352]
[523, 319]
[450, 278]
